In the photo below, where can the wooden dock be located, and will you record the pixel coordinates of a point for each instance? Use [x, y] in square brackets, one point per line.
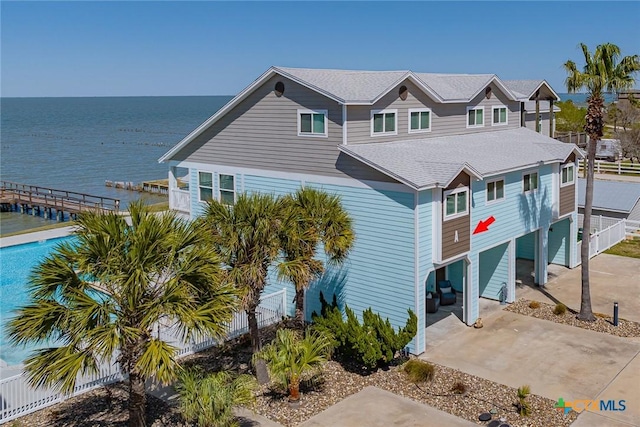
[51, 203]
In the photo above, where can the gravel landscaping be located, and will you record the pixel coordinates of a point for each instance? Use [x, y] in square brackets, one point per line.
[107, 406]
[603, 322]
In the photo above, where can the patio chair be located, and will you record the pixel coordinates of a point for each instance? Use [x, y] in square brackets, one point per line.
[446, 292]
[433, 302]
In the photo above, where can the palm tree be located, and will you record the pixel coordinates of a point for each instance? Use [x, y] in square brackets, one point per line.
[106, 292]
[313, 217]
[290, 357]
[208, 400]
[602, 71]
[246, 235]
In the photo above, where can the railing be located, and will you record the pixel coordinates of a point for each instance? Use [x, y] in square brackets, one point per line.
[604, 239]
[578, 138]
[619, 168]
[180, 200]
[58, 199]
[599, 222]
[17, 398]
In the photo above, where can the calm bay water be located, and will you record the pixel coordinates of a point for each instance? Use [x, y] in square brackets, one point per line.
[76, 144]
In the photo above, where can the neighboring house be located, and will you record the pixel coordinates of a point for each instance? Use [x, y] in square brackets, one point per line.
[612, 199]
[537, 114]
[439, 176]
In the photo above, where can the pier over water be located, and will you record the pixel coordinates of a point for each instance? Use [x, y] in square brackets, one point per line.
[50, 202]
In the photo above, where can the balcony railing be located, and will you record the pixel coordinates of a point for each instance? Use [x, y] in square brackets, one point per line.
[180, 200]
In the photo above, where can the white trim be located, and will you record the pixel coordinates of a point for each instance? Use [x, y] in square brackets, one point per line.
[466, 117]
[416, 271]
[436, 218]
[198, 172]
[344, 124]
[319, 179]
[384, 112]
[530, 172]
[419, 110]
[504, 191]
[220, 189]
[500, 107]
[567, 166]
[446, 193]
[311, 134]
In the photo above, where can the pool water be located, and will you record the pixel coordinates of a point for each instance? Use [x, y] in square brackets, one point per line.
[16, 263]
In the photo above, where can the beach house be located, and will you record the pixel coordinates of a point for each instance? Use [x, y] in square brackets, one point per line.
[445, 183]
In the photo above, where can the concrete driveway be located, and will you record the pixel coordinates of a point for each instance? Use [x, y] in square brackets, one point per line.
[560, 360]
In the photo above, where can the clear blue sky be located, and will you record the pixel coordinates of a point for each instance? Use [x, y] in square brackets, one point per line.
[218, 48]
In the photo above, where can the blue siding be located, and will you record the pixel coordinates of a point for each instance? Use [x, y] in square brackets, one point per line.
[380, 271]
[275, 186]
[455, 273]
[526, 246]
[559, 242]
[494, 271]
[517, 214]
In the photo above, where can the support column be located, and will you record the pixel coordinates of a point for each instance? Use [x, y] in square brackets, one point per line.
[542, 255]
[538, 129]
[511, 282]
[471, 309]
[551, 118]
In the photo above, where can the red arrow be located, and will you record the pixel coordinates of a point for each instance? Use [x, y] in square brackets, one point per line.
[484, 225]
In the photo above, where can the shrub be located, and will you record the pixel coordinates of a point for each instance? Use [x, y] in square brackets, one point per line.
[208, 400]
[523, 406]
[534, 304]
[419, 371]
[459, 388]
[371, 343]
[560, 309]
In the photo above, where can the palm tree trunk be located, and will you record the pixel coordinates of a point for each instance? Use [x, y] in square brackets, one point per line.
[254, 331]
[137, 400]
[294, 388]
[300, 305]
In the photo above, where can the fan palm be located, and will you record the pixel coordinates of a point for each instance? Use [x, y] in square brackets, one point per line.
[290, 357]
[246, 235]
[313, 217]
[106, 292]
[603, 70]
[209, 399]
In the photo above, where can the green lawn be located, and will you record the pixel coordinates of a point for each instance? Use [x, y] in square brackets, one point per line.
[628, 248]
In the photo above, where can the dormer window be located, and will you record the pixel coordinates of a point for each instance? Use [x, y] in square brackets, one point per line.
[384, 122]
[499, 116]
[475, 117]
[568, 174]
[456, 203]
[312, 122]
[419, 120]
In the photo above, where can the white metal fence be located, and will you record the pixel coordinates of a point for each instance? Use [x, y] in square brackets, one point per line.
[619, 168]
[604, 239]
[17, 398]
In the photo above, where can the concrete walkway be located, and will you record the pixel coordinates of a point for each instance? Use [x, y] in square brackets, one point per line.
[19, 239]
[373, 407]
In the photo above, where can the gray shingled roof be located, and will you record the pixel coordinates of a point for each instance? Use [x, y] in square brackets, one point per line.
[522, 88]
[611, 195]
[423, 163]
[353, 86]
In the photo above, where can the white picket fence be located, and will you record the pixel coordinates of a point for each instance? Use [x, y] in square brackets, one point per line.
[619, 168]
[18, 398]
[602, 240]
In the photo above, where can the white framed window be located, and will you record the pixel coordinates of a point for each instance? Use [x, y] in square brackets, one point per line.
[499, 116]
[419, 120]
[495, 190]
[205, 186]
[227, 189]
[529, 181]
[384, 122]
[456, 203]
[475, 117]
[312, 123]
[567, 174]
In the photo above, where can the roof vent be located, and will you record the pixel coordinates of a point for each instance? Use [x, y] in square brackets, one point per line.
[279, 89]
[403, 92]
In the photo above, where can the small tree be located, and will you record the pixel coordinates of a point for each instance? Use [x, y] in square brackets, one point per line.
[291, 357]
[208, 400]
[523, 406]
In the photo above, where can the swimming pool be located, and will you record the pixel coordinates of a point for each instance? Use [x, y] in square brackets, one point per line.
[16, 263]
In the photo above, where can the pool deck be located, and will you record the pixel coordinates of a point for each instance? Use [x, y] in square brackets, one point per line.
[36, 236]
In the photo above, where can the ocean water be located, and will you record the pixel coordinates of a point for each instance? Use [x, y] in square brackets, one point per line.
[77, 144]
[580, 99]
